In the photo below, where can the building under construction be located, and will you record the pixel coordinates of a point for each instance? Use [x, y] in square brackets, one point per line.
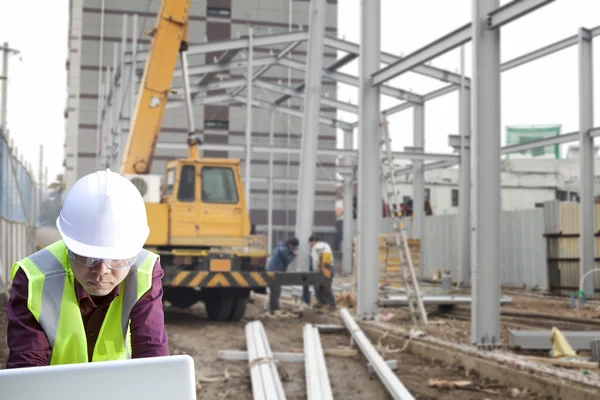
[100, 30]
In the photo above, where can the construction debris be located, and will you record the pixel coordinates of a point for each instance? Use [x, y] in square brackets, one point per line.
[560, 345]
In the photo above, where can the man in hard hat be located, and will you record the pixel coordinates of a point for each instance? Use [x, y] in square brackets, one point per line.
[281, 257]
[321, 259]
[95, 295]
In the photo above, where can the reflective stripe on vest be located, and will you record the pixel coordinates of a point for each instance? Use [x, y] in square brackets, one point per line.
[49, 273]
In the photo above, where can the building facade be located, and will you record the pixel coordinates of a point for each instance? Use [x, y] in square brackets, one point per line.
[96, 26]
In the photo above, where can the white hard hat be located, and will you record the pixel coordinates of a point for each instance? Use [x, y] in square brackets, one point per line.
[104, 216]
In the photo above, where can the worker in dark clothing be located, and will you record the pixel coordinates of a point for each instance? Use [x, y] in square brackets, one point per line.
[282, 256]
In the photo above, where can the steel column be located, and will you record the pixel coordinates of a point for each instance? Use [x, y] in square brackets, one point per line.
[369, 206]
[348, 231]
[310, 131]
[464, 191]
[485, 326]
[419, 175]
[247, 159]
[586, 159]
[4, 109]
[270, 196]
[133, 76]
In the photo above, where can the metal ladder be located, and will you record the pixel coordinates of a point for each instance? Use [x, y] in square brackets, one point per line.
[413, 292]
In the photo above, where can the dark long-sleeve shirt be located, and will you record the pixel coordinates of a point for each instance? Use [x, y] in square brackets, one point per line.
[281, 257]
[29, 345]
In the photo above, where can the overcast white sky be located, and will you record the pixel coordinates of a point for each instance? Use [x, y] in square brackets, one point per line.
[542, 92]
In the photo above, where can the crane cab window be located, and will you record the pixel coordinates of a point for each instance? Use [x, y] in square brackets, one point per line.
[219, 186]
[187, 183]
[169, 182]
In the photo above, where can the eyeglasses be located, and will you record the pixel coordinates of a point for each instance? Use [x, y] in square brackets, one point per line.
[91, 262]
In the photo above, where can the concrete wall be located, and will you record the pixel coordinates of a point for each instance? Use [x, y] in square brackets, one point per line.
[265, 16]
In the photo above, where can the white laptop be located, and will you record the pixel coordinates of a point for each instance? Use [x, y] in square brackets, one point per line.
[154, 378]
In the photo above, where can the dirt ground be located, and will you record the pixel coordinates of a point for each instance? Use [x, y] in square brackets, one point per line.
[191, 333]
[348, 376]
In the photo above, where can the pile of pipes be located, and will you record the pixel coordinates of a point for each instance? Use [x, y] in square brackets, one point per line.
[265, 377]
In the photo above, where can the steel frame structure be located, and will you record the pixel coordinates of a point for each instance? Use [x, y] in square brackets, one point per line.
[484, 139]
[477, 143]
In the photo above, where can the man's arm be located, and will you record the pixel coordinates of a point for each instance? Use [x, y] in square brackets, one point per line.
[148, 334]
[27, 343]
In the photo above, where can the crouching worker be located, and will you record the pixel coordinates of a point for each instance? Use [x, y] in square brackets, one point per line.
[281, 257]
[95, 295]
[321, 259]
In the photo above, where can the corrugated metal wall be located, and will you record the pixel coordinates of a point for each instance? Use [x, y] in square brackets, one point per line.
[17, 202]
[562, 230]
[522, 247]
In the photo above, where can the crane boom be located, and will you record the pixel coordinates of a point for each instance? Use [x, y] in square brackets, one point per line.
[169, 39]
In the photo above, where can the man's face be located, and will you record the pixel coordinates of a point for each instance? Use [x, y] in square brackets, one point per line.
[312, 244]
[99, 280]
[292, 248]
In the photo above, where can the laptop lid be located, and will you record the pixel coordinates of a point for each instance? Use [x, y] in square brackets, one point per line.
[160, 378]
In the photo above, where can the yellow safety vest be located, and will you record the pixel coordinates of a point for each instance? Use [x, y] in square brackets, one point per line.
[53, 302]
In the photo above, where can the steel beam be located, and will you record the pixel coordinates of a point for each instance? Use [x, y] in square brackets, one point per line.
[442, 45]
[402, 300]
[266, 383]
[225, 58]
[270, 190]
[354, 81]
[515, 62]
[564, 138]
[387, 58]
[485, 140]
[348, 233]
[586, 160]
[218, 85]
[248, 133]
[296, 113]
[233, 44]
[369, 206]
[310, 130]
[284, 52]
[594, 132]
[494, 19]
[241, 355]
[217, 99]
[391, 382]
[225, 68]
[318, 386]
[339, 63]
[514, 148]
[540, 340]
[429, 96]
[464, 192]
[339, 105]
[419, 175]
[512, 11]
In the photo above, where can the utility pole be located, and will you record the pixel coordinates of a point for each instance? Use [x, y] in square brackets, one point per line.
[6, 51]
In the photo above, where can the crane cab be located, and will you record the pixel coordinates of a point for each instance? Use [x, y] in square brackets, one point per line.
[202, 204]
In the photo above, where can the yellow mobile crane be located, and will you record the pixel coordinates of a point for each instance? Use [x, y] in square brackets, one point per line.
[201, 225]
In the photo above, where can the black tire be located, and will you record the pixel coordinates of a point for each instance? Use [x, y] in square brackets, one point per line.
[181, 298]
[218, 308]
[238, 308]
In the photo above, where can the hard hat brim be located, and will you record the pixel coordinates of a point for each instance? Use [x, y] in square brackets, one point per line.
[104, 252]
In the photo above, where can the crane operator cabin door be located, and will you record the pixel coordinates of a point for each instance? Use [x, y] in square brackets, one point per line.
[185, 209]
[221, 214]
